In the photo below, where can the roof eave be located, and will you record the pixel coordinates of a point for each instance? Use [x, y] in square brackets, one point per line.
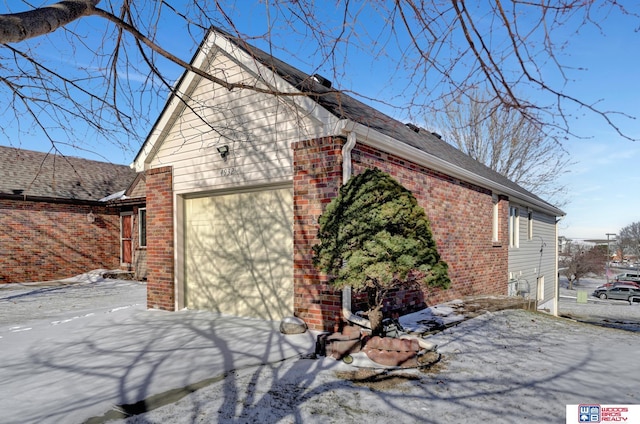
[215, 41]
[61, 200]
[388, 144]
[133, 201]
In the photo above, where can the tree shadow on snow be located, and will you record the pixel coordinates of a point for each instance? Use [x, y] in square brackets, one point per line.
[504, 366]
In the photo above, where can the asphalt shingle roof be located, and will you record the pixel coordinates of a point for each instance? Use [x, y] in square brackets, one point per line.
[49, 175]
[344, 106]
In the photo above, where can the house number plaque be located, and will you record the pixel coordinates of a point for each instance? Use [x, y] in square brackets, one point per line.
[228, 172]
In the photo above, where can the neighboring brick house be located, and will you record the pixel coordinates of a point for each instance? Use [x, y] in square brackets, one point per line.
[237, 178]
[53, 223]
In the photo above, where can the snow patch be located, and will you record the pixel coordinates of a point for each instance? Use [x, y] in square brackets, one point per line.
[123, 307]
[115, 196]
[72, 319]
[422, 321]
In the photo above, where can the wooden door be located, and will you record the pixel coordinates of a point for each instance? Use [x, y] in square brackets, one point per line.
[126, 239]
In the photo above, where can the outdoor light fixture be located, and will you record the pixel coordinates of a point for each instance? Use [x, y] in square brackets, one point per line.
[224, 151]
[91, 218]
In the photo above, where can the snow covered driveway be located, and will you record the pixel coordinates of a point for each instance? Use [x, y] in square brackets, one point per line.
[86, 294]
[73, 351]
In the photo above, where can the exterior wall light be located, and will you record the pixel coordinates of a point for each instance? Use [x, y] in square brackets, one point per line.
[224, 152]
[91, 218]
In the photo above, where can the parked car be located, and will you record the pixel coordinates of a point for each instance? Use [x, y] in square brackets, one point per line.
[619, 292]
[629, 276]
[618, 283]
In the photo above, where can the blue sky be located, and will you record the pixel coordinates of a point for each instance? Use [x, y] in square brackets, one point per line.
[604, 182]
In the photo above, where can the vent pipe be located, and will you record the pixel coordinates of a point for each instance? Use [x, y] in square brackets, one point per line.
[321, 80]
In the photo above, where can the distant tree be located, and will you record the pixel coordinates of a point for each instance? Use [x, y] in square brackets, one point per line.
[582, 261]
[628, 240]
[619, 252]
[501, 138]
[374, 237]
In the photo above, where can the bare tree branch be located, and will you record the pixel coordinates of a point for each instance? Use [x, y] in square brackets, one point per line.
[436, 51]
[21, 26]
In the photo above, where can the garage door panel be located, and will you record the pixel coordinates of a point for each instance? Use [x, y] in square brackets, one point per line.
[239, 254]
[255, 294]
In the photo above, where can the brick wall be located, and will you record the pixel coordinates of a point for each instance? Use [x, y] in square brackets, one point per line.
[160, 256]
[42, 241]
[317, 167]
[461, 217]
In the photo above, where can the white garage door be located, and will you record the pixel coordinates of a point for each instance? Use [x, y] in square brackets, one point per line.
[239, 254]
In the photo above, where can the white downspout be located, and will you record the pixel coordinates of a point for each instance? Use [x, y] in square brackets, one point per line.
[346, 174]
[346, 157]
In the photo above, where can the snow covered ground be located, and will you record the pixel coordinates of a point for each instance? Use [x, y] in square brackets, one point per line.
[73, 352]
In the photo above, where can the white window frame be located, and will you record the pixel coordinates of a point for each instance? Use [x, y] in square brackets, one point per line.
[496, 220]
[142, 222]
[530, 224]
[514, 226]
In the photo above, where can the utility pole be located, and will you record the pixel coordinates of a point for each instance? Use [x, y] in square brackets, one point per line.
[606, 266]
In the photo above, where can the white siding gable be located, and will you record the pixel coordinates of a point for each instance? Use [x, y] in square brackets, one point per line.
[258, 128]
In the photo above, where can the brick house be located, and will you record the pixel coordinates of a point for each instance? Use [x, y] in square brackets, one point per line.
[237, 178]
[53, 223]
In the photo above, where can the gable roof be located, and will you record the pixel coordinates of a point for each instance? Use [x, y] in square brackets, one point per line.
[399, 138]
[46, 175]
[344, 106]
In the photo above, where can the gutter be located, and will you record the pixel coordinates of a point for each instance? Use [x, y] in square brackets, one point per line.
[132, 201]
[60, 200]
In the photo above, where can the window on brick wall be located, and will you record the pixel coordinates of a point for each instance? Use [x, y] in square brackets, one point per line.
[514, 227]
[142, 222]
